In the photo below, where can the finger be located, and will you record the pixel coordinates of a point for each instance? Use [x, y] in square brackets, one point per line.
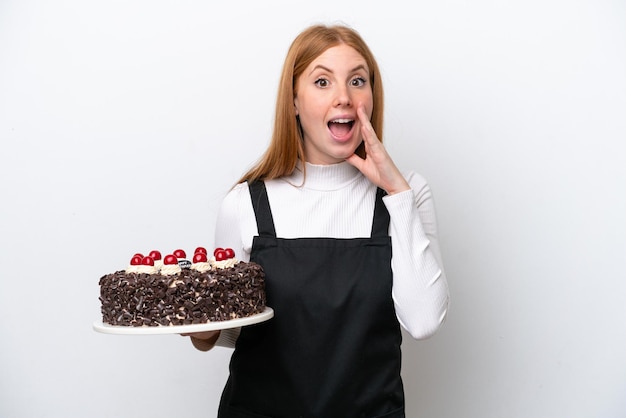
[356, 161]
[367, 130]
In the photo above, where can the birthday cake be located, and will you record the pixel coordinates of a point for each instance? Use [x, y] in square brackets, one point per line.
[158, 291]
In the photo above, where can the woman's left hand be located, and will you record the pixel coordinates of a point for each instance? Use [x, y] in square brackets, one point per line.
[377, 165]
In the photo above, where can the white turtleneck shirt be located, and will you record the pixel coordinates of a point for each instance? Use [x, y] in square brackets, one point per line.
[337, 201]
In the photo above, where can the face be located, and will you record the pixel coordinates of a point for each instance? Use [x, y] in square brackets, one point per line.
[328, 94]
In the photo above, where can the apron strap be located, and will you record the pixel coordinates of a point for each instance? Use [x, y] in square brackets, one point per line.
[380, 225]
[265, 221]
[261, 206]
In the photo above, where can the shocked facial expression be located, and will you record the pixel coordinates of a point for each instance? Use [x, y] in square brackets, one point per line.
[328, 94]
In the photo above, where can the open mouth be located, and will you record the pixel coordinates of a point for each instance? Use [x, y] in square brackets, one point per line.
[339, 128]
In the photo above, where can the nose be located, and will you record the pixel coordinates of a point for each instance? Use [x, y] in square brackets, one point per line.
[342, 97]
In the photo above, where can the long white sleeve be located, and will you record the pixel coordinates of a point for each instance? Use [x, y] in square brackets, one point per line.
[338, 202]
[420, 289]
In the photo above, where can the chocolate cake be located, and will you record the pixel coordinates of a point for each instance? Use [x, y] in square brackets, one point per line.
[205, 290]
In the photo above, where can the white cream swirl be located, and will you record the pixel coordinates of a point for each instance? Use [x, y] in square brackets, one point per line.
[133, 268]
[170, 269]
[147, 269]
[202, 267]
[230, 262]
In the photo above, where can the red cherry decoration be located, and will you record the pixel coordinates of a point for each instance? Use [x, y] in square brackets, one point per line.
[216, 250]
[170, 259]
[200, 258]
[220, 255]
[155, 254]
[180, 253]
[138, 255]
[230, 253]
[200, 250]
[136, 260]
[147, 261]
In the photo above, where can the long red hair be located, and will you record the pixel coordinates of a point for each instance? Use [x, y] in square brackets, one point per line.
[286, 148]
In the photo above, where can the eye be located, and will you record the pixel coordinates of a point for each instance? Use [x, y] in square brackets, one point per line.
[358, 82]
[322, 82]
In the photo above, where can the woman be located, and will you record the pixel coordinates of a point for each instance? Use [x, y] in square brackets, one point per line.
[321, 212]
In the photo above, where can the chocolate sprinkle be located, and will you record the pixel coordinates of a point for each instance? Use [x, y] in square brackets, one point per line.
[190, 297]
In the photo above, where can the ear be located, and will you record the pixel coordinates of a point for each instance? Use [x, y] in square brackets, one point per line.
[295, 105]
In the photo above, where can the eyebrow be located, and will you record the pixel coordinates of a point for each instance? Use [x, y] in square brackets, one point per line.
[319, 66]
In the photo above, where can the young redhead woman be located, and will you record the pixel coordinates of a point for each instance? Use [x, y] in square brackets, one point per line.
[321, 212]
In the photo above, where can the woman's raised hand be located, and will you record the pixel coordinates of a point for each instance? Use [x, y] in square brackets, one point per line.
[377, 165]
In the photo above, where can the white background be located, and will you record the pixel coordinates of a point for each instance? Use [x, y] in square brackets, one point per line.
[123, 123]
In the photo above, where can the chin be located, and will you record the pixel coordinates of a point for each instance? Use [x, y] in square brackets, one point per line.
[345, 153]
